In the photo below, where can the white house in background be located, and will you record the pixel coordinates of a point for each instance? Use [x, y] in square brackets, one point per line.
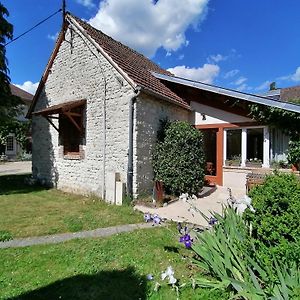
[11, 149]
[97, 109]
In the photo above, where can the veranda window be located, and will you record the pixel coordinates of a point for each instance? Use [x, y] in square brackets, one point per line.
[248, 147]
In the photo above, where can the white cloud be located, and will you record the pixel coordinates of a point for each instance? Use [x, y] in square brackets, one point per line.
[28, 86]
[181, 57]
[240, 81]
[296, 75]
[265, 85]
[216, 58]
[206, 74]
[243, 87]
[86, 3]
[291, 77]
[146, 25]
[231, 73]
[53, 37]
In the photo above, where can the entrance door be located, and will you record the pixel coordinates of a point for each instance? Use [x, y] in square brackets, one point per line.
[213, 150]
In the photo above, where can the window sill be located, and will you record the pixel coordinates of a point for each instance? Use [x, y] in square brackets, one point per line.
[74, 156]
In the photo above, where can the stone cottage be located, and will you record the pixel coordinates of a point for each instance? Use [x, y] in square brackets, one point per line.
[97, 109]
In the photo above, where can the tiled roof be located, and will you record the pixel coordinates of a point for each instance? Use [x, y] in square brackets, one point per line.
[290, 93]
[20, 93]
[135, 65]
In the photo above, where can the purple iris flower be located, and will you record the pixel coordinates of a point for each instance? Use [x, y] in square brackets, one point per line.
[147, 217]
[187, 237]
[156, 219]
[212, 221]
[179, 227]
[188, 244]
[187, 240]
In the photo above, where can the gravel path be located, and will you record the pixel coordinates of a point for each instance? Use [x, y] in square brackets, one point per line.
[59, 238]
[17, 167]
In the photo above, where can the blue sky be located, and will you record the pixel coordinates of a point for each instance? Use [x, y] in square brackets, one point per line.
[242, 45]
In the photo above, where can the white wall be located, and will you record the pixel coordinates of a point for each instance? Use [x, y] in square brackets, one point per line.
[214, 115]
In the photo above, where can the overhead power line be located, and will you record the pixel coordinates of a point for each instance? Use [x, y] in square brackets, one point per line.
[38, 24]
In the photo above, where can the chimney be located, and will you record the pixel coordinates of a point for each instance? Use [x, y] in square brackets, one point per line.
[273, 86]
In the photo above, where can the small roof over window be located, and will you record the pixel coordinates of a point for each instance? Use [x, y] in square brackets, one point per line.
[60, 108]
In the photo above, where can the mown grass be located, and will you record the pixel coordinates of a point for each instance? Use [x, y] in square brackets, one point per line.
[110, 268]
[34, 211]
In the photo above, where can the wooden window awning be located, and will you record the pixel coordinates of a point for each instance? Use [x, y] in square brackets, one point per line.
[60, 108]
[68, 109]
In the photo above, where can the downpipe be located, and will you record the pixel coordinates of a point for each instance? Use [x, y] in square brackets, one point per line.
[130, 144]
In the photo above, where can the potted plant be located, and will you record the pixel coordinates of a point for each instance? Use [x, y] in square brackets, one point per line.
[234, 161]
[294, 154]
[253, 163]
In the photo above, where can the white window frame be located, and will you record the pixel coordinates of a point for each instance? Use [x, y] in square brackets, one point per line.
[266, 145]
[14, 150]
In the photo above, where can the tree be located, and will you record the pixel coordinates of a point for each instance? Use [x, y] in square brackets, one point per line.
[9, 104]
[178, 159]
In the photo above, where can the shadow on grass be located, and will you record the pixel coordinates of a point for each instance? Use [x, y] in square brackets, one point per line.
[108, 285]
[15, 184]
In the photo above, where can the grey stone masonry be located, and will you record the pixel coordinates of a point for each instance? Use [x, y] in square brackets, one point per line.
[80, 71]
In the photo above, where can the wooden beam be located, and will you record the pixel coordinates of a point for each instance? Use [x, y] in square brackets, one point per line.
[50, 121]
[73, 121]
[73, 114]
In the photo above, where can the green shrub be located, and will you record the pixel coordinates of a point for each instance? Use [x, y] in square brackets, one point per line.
[276, 221]
[294, 152]
[178, 159]
[5, 236]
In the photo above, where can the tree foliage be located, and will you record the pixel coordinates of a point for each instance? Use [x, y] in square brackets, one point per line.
[8, 103]
[19, 129]
[178, 159]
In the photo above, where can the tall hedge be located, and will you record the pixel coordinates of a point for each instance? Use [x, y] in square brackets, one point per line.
[178, 159]
[276, 221]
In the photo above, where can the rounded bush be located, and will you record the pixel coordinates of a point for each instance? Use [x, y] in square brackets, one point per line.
[178, 159]
[276, 221]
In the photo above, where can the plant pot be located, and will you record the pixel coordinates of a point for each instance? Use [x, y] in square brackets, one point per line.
[296, 167]
[233, 163]
[253, 164]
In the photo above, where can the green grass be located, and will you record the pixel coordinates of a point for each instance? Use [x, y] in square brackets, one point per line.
[108, 268]
[34, 211]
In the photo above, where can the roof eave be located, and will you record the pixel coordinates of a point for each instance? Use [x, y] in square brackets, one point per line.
[150, 92]
[230, 93]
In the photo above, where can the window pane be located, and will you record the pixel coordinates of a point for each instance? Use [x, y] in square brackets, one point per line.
[255, 140]
[210, 150]
[10, 143]
[234, 147]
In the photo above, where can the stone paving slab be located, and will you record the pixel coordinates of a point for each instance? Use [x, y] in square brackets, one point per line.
[59, 238]
[180, 211]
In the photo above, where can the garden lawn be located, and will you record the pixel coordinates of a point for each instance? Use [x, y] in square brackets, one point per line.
[109, 268]
[34, 211]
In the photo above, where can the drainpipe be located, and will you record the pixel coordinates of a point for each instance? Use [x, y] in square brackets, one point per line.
[130, 144]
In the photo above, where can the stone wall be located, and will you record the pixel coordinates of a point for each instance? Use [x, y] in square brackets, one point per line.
[80, 72]
[148, 113]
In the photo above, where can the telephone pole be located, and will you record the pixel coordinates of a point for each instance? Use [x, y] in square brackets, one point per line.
[63, 12]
